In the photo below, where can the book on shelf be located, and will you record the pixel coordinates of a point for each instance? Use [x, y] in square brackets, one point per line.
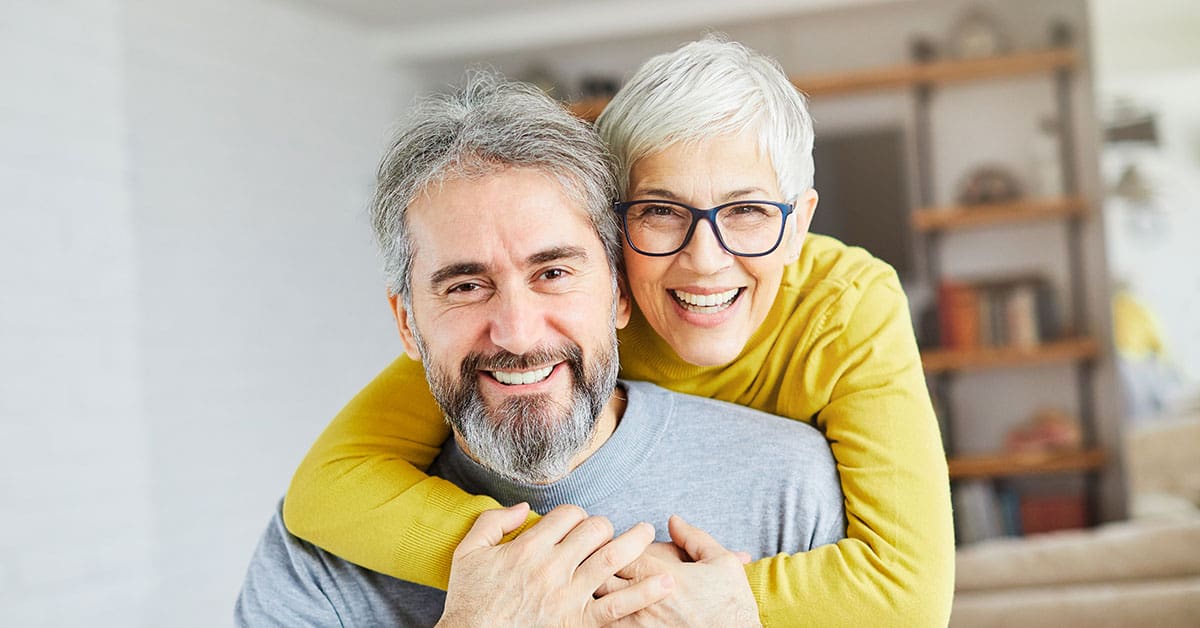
[982, 513]
[1047, 513]
[1005, 312]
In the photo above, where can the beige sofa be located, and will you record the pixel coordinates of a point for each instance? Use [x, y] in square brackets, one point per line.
[1141, 572]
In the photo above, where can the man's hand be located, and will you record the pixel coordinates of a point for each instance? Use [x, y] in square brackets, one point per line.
[712, 591]
[546, 576]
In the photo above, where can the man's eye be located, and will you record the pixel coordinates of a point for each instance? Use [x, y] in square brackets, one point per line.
[554, 273]
[464, 287]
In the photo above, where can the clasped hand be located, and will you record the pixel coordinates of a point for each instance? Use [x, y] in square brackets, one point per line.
[568, 570]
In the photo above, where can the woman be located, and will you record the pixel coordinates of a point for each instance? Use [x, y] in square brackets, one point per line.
[800, 327]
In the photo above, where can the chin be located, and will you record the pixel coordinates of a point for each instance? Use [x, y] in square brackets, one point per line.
[709, 355]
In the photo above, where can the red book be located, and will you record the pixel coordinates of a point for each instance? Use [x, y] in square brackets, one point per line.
[1047, 513]
[958, 315]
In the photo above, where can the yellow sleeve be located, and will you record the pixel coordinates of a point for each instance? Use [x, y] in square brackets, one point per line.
[896, 566]
[361, 492]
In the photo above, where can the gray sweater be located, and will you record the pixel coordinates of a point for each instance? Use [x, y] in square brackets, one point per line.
[755, 482]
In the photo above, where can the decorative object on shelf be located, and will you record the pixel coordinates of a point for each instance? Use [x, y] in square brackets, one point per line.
[1131, 145]
[1050, 429]
[598, 86]
[989, 184]
[1061, 35]
[923, 49]
[978, 34]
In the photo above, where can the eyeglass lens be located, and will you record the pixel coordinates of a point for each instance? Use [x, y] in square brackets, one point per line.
[745, 228]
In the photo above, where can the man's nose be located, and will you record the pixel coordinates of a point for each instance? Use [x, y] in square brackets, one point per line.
[704, 253]
[518, 322]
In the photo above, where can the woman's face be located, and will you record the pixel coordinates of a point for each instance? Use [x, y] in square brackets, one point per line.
[673, 292]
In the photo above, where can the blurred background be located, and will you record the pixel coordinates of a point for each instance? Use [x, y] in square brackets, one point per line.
[190, 292]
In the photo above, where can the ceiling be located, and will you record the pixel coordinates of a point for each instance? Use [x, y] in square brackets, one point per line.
[389, 14]
[415, 30]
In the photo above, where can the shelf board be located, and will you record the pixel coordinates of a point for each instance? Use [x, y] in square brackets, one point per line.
[1026, 210]
[1005, 464]
[1072, 349]
[903, 76]
[937, 72]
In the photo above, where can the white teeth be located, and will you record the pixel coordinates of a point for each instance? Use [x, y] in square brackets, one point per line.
[513, 378]
[705, 300]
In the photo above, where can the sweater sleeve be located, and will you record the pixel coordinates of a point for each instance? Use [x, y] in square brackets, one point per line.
[896, 566]
[361, 491]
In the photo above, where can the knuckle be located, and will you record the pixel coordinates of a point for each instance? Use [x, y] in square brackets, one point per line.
[611, 559]
[598, 525]
[571, 511]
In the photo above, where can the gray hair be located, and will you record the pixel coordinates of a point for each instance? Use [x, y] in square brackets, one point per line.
[705, 89]
[486, 126]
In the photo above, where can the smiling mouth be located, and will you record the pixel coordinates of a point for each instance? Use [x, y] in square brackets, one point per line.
[706, 303]
[521, 378]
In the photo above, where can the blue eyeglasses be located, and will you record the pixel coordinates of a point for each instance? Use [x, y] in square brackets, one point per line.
[743, 228]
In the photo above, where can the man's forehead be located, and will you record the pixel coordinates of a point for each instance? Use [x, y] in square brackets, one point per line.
[510, 220]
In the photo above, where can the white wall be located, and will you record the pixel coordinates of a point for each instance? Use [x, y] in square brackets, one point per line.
[75, 528]
[190, 290]
[1151, 54]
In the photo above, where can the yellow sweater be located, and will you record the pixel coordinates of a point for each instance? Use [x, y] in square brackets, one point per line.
[836, 350]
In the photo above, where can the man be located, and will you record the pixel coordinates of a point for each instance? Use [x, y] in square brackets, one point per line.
[504, 256]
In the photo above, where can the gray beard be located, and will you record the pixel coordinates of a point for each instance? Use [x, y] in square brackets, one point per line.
[531, 438]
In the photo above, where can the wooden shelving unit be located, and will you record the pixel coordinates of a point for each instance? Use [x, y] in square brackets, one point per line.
[981, 358]
[1004, 464]
[967, 216]
[936, 72]
[903, 76]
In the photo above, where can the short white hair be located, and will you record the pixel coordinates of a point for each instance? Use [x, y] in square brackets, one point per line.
[705, 89]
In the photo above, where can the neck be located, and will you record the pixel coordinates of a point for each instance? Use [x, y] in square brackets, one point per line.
[606, 424]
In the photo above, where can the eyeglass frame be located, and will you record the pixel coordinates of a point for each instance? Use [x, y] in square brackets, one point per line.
[709, 214]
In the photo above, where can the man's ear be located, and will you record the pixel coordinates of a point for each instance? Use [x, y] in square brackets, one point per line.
[624, 301]
[806, 206]
[405, 325]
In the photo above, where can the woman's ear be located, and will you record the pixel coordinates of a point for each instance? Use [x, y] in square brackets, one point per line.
[806, 206]
[404, 325]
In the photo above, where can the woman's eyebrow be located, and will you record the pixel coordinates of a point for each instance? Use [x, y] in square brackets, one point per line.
[671, 196]
[734, 195]
[659, 192]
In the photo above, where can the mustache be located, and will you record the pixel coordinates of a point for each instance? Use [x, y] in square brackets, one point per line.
[506, 361]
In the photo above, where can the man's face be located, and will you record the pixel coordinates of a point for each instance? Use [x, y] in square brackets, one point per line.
[513, 313]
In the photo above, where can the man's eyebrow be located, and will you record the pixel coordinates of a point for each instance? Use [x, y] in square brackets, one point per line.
[557, 253]
[450, 271]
